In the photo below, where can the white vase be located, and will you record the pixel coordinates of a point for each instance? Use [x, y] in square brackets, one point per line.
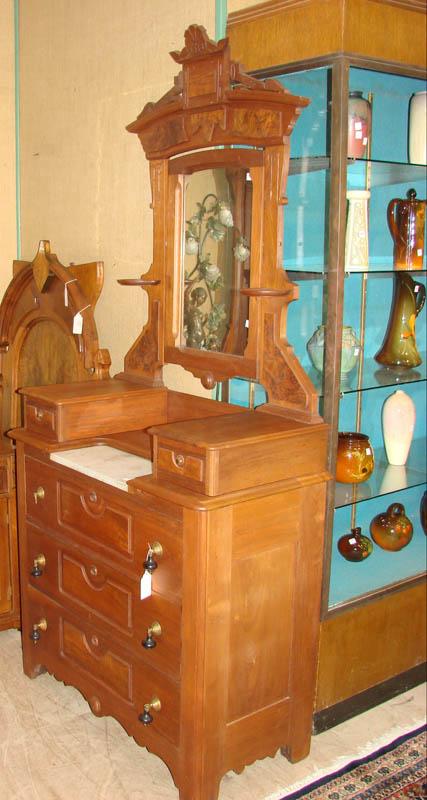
[398, 420]
[356, 237]
[417, 128]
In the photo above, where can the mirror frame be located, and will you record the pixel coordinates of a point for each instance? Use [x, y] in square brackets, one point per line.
[212, 107]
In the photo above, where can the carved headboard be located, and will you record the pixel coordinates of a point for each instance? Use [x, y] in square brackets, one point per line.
[42, 341]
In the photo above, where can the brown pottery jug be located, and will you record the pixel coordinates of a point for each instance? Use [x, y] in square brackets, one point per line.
[355, 457]
[354, 546]
[392, 530]
[406, 220]
[399, 348]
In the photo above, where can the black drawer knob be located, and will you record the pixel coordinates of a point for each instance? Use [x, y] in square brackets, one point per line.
[38, 565]
[146, 717]
[149, 642]
[39, 626]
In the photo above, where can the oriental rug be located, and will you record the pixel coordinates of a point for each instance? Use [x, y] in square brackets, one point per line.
[395, 772]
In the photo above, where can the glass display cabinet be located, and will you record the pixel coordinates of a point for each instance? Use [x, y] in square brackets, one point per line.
[355, 175]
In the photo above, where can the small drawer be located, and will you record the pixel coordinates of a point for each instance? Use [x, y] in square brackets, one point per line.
[97, 591]
[180, 466]
[41, 419]
[113, 681]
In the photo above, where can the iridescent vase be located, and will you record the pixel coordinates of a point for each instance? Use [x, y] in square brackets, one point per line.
[399, 348]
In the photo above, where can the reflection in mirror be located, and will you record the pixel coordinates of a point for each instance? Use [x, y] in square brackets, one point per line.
[216, 259]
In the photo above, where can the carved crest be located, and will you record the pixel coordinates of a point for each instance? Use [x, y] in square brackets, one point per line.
[41, 266]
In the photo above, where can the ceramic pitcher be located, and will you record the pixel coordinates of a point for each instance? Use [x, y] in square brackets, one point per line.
[399, 348]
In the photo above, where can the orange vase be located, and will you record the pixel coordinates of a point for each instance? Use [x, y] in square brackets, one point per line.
[355, 457]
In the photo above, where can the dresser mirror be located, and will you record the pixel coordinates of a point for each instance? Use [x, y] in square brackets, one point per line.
[218, 147]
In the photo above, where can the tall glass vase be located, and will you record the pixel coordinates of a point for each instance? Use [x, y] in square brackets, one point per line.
[399, 348]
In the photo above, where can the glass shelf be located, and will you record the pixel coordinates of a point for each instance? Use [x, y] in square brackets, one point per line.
[374, 376]
[320, 272]
[386, 478]
[382, 173]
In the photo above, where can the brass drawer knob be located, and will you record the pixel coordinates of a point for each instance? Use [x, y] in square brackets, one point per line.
[38, 494]
[41, 625]
[178, 459]
[39, 565]
[154, 705]
[149, 642]
[150, 563]
[39, 413]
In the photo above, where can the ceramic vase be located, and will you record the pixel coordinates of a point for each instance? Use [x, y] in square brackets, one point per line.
[399, 348]
[354, 546]
[350, 350]
[398, 419]
[356, 237]
[355, 457]
[392, 529]
[359, 124]
[423, 512]
[417, 140]
[406, 220]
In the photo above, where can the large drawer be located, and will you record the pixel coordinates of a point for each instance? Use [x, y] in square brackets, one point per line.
[118, 526]
[99, 592]
[113, 681]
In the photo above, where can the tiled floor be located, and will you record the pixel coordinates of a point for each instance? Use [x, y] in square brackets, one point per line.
[53, 748]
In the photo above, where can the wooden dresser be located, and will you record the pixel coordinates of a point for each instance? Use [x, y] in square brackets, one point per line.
[185, 602]
[217, 667]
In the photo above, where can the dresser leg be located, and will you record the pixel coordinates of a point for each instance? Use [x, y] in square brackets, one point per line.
[206, 790]
[297, 750]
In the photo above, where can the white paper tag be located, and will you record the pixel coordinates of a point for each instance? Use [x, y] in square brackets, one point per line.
[247, 324]
[65, 296]
[368, 451]
[357, 125]
[358, 135]
[145, 586]
[78, 323]
[352, 541]
[365, 140]
[419, 251]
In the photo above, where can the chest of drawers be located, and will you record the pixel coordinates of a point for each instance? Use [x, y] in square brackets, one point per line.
[216, 667]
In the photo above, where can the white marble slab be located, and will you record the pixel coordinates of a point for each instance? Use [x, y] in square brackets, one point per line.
[105, 463]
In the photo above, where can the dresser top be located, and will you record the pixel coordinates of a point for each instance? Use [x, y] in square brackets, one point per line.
[232, 429]
[84, 391]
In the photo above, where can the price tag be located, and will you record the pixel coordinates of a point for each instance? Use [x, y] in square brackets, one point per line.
[145, 585]
[65, 296]
[352, 540]
[78, 323]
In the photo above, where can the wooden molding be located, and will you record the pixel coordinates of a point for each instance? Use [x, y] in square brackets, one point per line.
[272, 7]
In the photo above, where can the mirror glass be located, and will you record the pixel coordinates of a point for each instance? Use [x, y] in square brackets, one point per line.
[216, 258]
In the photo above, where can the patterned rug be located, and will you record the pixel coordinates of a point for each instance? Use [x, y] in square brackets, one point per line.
[395, 772]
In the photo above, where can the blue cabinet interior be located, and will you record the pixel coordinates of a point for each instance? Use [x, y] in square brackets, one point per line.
[305, 259]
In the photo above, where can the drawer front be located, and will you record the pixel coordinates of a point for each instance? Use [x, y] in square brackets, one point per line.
[112, 522]
[40, 492]
[80, 580]
[41, 419]
[111, 679]
[179, 466]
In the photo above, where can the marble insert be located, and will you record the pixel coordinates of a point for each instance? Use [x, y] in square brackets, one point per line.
[105, 463]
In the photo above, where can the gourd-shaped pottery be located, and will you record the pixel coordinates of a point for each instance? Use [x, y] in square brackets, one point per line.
[354, 546]
[399, 348]
[355, 457]
[392, 530]
[406, 220]
[398, 418]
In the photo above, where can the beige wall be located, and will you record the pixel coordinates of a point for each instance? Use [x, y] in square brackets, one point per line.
[87, 69]
[7, 144]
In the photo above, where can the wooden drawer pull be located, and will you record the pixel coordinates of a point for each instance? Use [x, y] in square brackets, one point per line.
[39, 413]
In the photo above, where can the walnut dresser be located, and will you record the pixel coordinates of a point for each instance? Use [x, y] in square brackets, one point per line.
[171, 545]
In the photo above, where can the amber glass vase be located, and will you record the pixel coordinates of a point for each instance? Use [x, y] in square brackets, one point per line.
[406, 220]
[392, 530]
[355, 457]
